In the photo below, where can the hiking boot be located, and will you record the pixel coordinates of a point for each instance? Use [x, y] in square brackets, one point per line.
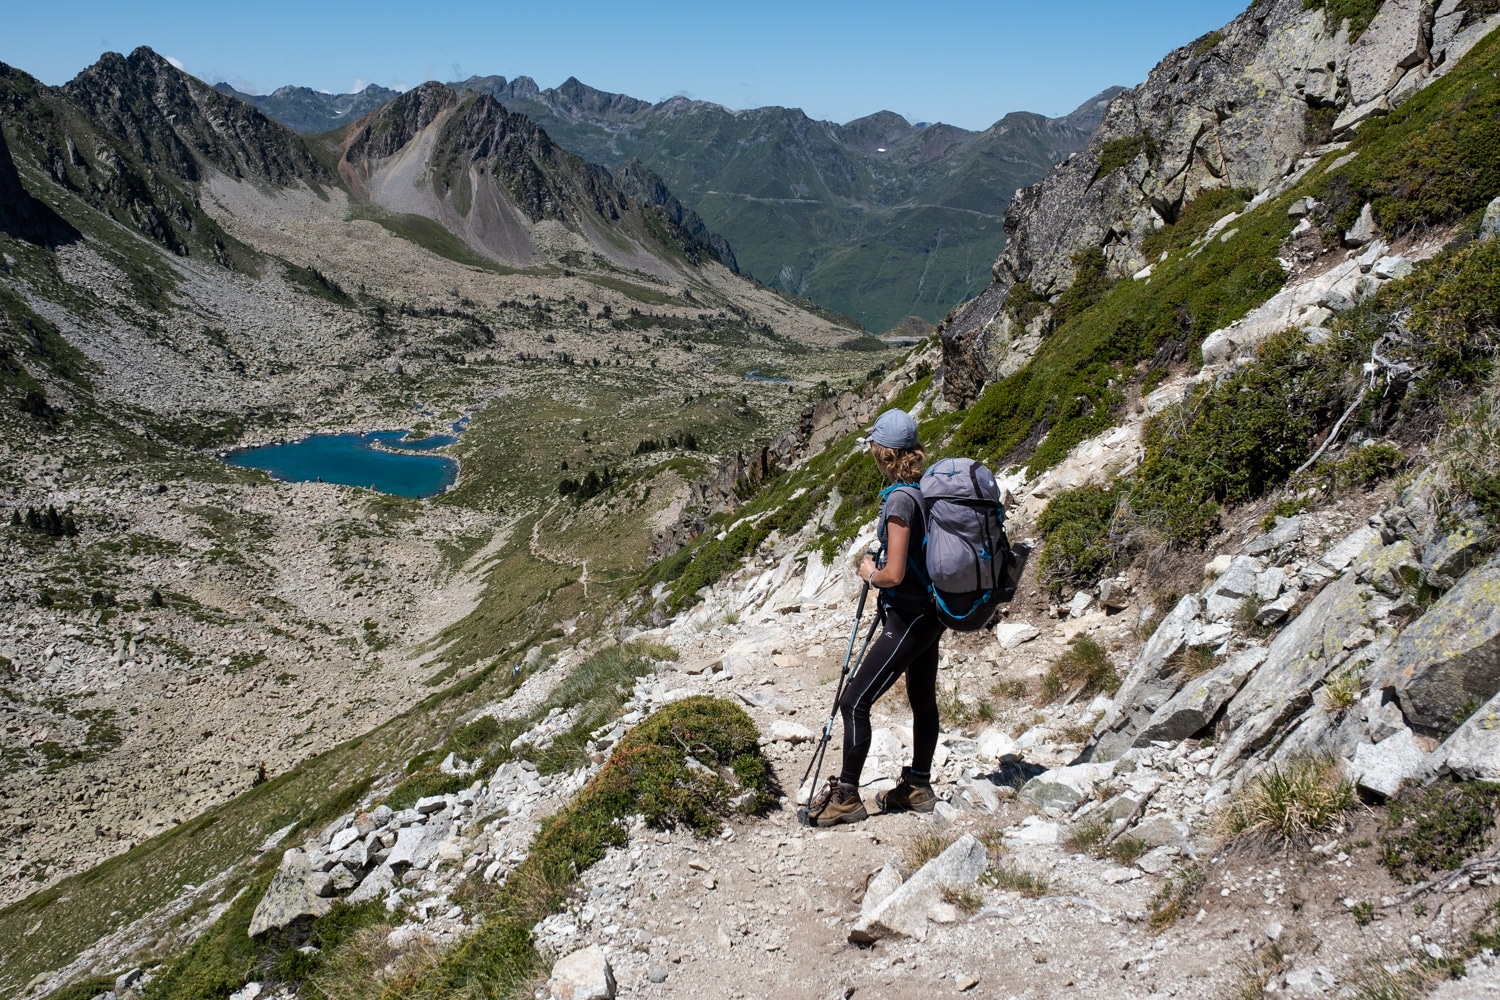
[912, 794]
[836, 803]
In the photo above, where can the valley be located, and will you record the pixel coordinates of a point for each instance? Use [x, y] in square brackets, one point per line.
[542, 729]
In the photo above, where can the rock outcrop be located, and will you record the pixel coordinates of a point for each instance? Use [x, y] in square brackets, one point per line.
[1228, 111]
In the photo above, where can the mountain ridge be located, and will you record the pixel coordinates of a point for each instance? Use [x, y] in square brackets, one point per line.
[876, 217]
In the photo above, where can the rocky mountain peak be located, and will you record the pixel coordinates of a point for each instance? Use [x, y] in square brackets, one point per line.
[384, 131]
[177, 123]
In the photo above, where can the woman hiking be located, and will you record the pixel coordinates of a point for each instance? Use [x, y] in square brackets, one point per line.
[908, 641]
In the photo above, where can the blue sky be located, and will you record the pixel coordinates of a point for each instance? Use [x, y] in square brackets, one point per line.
[957, 61]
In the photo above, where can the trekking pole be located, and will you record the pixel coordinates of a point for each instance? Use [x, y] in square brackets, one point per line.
[815, 766]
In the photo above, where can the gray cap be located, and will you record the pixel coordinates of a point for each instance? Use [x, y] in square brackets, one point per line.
[894, 429]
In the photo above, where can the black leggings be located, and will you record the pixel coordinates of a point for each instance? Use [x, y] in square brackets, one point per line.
[908, 643]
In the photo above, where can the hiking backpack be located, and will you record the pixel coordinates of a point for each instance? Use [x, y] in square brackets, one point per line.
[969, 566]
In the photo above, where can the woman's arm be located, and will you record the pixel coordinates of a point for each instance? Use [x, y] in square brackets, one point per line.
[897, 540]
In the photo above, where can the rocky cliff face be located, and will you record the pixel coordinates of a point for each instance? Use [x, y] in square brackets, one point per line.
[1239, 108]
[177, 123]
[646, 187]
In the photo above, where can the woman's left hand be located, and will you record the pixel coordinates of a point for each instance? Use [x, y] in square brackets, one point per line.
[866, 569]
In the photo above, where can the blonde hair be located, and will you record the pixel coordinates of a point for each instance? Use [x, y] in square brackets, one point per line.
[900, 465]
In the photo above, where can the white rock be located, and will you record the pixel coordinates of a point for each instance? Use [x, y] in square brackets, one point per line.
[784, 731]
[1382, 767]
[1348, 549]
[905, 911]
[1393, 268]
[1080, 604]
[1013, 634]
[1490, 228]
[583, 975]
[995, 745]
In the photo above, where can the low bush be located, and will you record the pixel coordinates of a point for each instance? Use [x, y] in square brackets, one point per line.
[1433, 160]
[1359, 14]
[1288, 802]
[1117, 153]
[1438, 828]
[1081, 543]
[1234, 440]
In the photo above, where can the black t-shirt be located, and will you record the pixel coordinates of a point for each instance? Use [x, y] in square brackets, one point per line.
[902, 503]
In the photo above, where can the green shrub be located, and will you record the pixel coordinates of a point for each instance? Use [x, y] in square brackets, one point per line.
[1194, 220]
[1438, 828]
[1435, 159]
[1079, 543]
[1117, 153]
[1236, 439]
[225, 957]
[1359, 13]
[1074, 385]
[647, 774]
[1171, 904]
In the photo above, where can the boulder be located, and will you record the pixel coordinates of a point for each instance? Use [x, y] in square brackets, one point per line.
[904, 912]
[377, 885]
[1390, 569]
[785, 731]
[1382, 767]
[997, 746]
[1473, 751]
[583, 975]
[1113, 595]
[1363, 231]
[1448, 660]
[1286, 533]
[1270, 584]
[1392, 43]
[1013, 634]
[1297, 661]
[1350, 547]
[1489, 228]
[1160, 830]
[1065, 787]
[884, 882]
[417, 846]
[1273, 611]
[1190, 710]
[1149, 683]
[294, 893]
[1393, 268]
[1451, 554]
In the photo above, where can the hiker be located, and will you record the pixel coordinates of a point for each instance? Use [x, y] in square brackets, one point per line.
[908, 640]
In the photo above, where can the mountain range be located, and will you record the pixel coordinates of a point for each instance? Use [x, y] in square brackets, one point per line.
[878, 218]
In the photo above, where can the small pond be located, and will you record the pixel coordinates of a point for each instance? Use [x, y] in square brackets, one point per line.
[754, 375]
[358, 460]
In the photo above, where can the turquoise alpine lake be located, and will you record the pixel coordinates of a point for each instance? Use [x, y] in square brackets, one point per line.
[354, 460]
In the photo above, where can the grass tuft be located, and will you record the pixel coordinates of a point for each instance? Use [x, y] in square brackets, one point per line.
[923, 848]
[1175, 898]
[1083, 665]
[1288, 802]
[1031, 884]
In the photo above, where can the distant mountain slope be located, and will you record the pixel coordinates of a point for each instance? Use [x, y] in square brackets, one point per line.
[878, 218]
[492, 177]
[308, 110]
